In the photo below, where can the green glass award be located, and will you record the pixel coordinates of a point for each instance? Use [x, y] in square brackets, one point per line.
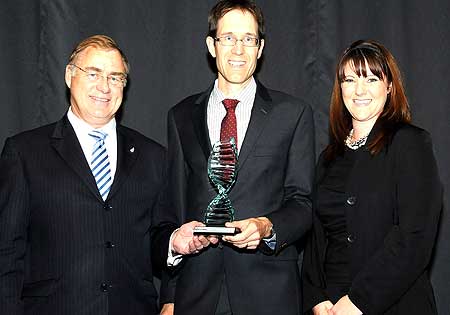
[222, 172]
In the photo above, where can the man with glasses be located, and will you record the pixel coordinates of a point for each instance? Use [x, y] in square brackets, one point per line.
[78, 202]
[254, 271]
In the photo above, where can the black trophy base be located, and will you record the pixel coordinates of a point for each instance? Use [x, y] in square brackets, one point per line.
[216, 230]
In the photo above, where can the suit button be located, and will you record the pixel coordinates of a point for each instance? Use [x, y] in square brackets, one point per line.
[350, 238]
[351, 200]
[107, 207]
[104, 287]
[109, 244]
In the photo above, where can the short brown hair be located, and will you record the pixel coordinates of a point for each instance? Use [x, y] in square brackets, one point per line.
[223, 7]
[396, 109]
[102, 42]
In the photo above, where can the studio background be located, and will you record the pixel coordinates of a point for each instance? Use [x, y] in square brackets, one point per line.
[165, 43]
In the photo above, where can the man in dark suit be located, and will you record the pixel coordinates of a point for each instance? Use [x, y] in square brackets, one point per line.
[78, 202]
[254, 271]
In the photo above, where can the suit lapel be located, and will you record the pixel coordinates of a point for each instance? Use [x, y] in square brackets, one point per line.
[261, 107]
[200, 122]
[65, 142]
[127, 154]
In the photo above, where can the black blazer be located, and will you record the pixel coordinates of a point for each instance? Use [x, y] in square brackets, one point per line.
[392, 212]
[63, 250]
[275, 171]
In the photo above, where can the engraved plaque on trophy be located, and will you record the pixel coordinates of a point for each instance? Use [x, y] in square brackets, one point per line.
[222, 172]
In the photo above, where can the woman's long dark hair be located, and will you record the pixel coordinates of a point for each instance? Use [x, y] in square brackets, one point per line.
[396, 109]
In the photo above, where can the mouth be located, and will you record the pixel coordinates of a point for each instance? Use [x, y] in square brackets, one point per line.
[362, 102]
[98, 99]
[236, 63]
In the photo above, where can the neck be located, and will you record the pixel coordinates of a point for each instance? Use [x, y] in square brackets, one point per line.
[361, 128]
[230, 89]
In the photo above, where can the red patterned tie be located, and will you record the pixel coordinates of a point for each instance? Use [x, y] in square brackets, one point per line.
[228, 129]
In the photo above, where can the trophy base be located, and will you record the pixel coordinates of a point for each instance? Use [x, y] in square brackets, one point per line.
[216, 230]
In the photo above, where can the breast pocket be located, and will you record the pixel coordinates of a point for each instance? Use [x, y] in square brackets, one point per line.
[267, 151]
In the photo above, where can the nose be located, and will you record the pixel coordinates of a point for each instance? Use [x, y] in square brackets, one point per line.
[238, 48]
[103, 84]
[360, 87]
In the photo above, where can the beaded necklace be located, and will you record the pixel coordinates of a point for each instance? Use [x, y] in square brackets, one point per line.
[355, 144]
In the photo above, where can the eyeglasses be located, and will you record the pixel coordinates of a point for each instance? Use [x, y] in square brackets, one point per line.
[231, 40]
[95, 75]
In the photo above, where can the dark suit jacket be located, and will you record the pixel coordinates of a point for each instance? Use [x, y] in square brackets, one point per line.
[275, 170]
[63, 250]
[392, 212]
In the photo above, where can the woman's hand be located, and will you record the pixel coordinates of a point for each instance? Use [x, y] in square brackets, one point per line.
[322, 308]
[344, 307]
[167, 309]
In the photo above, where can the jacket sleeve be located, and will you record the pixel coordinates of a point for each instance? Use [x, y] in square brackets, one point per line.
[14, 218]
[170, 214]
[406, 251]
[293, 220]
[313, 279]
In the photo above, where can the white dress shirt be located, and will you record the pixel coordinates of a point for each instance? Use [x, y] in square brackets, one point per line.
[216, 111]
[82, 130]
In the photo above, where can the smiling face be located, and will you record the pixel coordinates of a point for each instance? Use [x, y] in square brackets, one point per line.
[95, 102]
[363, 96]
[235, 64]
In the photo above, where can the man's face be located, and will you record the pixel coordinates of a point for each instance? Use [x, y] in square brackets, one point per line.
[235, 64]
[95, 101]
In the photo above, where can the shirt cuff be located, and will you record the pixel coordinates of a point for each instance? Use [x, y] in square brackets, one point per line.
[271, 241]
[172, 258]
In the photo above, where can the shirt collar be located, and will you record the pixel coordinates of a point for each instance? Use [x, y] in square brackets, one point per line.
[82, 127]
[218, 96]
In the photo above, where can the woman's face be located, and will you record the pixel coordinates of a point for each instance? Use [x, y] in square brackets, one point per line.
[364, 96]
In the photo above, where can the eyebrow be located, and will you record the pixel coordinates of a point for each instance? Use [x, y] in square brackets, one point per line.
[111, 73]
[232, 33]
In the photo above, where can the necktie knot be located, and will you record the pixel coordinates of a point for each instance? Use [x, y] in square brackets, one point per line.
[230, 104]
[98, 135]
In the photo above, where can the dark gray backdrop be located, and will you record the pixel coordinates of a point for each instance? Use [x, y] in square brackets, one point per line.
[164, 41]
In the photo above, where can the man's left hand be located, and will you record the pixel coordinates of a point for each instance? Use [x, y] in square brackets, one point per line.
[253, 230]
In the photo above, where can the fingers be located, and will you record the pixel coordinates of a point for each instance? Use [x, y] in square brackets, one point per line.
[213, 239]
[252, 231]
[241, 239]
[198, 243]
[323, 308]
[185, 242]
[167, 309]
[344, 307]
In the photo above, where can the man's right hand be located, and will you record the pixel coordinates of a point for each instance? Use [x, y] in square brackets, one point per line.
[184, 241]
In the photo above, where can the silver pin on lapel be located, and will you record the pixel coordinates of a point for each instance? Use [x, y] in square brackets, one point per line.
[132, 150]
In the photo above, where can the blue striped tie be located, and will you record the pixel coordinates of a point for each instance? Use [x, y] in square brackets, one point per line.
[100, 163]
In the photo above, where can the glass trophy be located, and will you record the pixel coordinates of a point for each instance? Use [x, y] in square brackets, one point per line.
[222, 172]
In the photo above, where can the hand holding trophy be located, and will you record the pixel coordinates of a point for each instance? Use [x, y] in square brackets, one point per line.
[222, 172]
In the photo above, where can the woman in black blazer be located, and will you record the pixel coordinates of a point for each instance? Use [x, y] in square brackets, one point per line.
[377, 197]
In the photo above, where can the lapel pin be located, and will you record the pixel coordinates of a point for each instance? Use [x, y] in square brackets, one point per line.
[132, 150]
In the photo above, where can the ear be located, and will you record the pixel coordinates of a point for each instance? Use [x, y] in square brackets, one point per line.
[210, 43]
[389, 89]
[260, 49]
[68, 75]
